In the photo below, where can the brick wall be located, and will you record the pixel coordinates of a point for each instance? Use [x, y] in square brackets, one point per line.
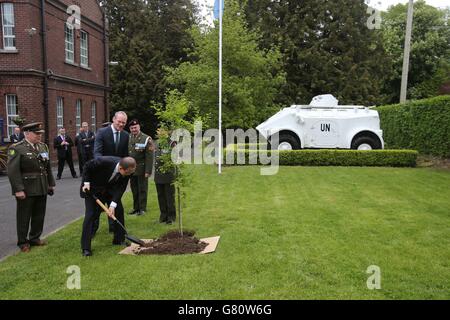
[29, 86]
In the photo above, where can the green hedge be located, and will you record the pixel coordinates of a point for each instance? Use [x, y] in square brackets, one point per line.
[373, 158]
[422, 125]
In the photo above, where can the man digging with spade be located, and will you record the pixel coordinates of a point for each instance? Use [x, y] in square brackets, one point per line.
[105, 178]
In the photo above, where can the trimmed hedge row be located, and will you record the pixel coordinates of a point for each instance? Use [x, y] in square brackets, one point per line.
[422, 125]
[373, 158]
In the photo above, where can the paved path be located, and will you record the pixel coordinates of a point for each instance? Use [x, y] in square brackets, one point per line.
[64, 207]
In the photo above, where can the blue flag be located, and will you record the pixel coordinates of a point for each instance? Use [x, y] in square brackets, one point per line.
[216, 8]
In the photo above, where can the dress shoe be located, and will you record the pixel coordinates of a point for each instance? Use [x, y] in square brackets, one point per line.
[25, 248]
[38, 243]
[133, 212]
[75, 177]
[87, 253]
[140, 213]
[169, 222]
[58, 178]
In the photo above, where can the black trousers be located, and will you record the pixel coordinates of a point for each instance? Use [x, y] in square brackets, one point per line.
[61, 162]
[30, 217]
[92, 214]
[84, 157]
[166, 201]
[139, 188]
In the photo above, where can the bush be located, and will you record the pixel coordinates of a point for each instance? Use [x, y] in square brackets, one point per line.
[422, 125]
[373, 158]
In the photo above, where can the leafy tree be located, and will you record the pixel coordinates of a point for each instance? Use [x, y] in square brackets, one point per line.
[430, 49]
[252, 77]
[177, 113]
[326, 47]
[145, 37]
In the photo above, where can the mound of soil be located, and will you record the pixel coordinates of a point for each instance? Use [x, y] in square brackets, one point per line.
[173, 243]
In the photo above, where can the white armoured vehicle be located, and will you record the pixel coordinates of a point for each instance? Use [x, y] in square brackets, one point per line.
[325, 124]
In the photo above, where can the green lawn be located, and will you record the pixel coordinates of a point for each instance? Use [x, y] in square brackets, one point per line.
[306, 233]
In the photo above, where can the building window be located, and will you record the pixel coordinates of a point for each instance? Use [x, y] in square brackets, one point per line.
[94, 116]
[78, 115]
[60, 113]
[9, 38]
[84, 49]
[11, 112]
[70, 43]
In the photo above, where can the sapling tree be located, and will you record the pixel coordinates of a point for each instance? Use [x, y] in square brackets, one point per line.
[178, 113]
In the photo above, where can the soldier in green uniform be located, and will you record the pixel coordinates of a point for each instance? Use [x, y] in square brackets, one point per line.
[140, 147]
[31, 179]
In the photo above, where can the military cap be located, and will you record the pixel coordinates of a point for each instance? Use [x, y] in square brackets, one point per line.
[134, 122]
[35, 127]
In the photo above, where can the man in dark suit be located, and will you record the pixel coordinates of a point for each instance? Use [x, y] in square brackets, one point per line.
[107, 178]
[85, 145]
[63, 143]
[17, 136]
[112, 141]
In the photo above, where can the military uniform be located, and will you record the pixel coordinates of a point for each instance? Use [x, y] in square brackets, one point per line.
[165, 189]
[29, 171]
[140, 147]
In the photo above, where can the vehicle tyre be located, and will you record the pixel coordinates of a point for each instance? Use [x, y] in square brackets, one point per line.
[366, 143]
[287, 142]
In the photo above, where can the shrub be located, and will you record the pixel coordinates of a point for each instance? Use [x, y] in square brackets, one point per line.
[373, 158]
[422, 125]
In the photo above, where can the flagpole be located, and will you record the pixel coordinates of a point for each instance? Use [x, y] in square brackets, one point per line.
[220, 85]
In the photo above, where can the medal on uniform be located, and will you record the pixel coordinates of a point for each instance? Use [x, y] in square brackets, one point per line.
[139, 146]
[45, 156]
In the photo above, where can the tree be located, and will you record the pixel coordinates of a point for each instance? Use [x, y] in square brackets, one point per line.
[252, 77]
[326, 47]
[176, 114]
[145, 38]
[430, 49]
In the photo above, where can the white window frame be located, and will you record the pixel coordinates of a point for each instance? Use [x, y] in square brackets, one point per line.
[59, 113]
[78, 109]
[94, 116]
[69, 40]
[84, 49]
[5, 26]
[11, 105]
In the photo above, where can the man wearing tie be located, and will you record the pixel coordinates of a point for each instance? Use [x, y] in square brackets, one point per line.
[17, 136]
[107, 178]
[112, 141]
[63, 143]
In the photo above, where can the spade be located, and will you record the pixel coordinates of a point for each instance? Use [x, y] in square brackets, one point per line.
[127, 236]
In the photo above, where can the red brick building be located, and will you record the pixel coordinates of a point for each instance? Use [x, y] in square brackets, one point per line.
[57, 74]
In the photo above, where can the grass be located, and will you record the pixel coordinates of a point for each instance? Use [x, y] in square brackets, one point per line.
[306, 233]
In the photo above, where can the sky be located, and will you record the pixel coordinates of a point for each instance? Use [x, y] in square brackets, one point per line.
[378, 4]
